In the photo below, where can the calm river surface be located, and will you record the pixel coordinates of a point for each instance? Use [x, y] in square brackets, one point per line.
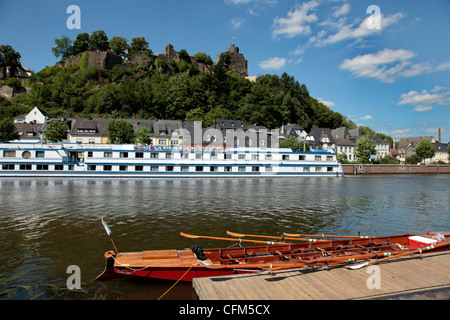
[47, 225]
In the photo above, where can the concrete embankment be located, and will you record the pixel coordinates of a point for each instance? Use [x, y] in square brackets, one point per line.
[355, 169]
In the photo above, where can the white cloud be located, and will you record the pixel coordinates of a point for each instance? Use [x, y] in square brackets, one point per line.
[327, 103]
[297, 21]
[237, 22]
[384, 65]
[367, 117]
[443, 66]
[273, 63]
[424, 101]
[398, 133]
[342, 10]
[354, 31]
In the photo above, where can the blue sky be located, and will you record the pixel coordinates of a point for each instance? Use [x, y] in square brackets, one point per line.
[390, 71]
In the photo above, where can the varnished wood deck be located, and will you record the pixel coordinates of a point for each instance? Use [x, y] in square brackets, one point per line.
[397, 276]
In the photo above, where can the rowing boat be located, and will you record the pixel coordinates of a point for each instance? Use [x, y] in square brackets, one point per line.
[187, 264]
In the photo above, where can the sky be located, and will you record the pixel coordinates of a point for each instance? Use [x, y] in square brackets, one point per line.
[384, 64]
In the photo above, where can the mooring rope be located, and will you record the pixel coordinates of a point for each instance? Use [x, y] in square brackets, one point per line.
[177, 281]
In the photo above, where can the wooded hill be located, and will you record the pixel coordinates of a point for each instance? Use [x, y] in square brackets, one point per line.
[150, 89]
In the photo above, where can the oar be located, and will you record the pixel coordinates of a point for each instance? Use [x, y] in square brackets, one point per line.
[409, 252]
[322, 235]
[227, 239]
[240, 235]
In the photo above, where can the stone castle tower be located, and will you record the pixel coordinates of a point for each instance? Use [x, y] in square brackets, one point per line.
[238, 62]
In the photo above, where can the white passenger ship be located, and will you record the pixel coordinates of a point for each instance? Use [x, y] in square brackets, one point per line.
[136, 161]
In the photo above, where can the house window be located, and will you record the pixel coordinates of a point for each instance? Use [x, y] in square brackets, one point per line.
[139, 155]
[174, 142]
[124, 154]
[107, 154]
[107, 167]
[163, 142]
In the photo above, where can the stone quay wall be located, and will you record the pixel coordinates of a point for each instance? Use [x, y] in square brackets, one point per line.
[355, 169]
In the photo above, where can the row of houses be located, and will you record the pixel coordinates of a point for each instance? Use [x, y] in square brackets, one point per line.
[235, 133]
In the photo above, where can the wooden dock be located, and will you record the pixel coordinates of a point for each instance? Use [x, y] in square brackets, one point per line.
[407, 278]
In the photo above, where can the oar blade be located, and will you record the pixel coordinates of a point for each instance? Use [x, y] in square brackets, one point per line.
[234, 234]
[186, 235]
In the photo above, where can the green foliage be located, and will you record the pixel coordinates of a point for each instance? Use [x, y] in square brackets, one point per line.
[364, 149]
[56, 131]
[84, 61]
[414, 159]
[63, 48]
[9, 58]
[98, 41]
[293, 143]
[81, 43]
[119, 46]
[388, 159]
[120, 131]
[203, 58]
[8, 131]
[142, 136]
[138, 45]
[425, 149]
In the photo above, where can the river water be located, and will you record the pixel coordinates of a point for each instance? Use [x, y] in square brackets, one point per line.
[49, 224]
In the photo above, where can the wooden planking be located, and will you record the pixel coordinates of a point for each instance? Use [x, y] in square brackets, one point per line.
[400, 275]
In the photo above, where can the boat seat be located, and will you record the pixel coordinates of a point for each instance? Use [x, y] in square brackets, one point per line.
[160, 254]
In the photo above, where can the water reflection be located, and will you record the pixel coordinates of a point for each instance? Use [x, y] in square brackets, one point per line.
[48, 224]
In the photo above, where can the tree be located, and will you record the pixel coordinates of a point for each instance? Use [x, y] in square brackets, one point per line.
[425, 149]
[81, 43]
[8, 131]
[98, 41]
[9, 58]
[56, 131]
[63, 48]
[142, 136]
[120, 131]
[119, 46]
[203, 58]
[138, 45]
[293, 143]
[364, 149]
[414, 159]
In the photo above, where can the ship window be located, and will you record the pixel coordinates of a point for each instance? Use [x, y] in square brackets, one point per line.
[26, 154]
[92, 167]
[241, 156]
[139, 155]
[329, 169]
[184, 168]
[255, 156]
[153, 155]
[124, 154]
[318, 169]
[9, 153]
[228, 168]
[214, 156]
[107, 154]
[42, 167]
[198, 168]
[169, 155]
[227, 156]
[307, 169]
[25, 167]
[318, 158]
[241, 168]
[90, 154]
[169, 168]
[199, 156]
[40, 154]
[59, 167]
[329, 158]
[285, 157]
[139, 168]
[255, 169]
[154, 168]
[123, 168]
[268, 168]
[214, 168]
[8, 166]
[107, 168]
[268, 157]
[71, 167]
[302, 157]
